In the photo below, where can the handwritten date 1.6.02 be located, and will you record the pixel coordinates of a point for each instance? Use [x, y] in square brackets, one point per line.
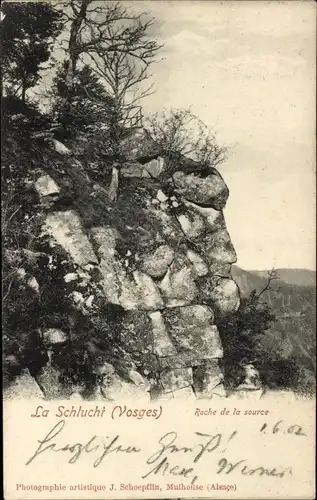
[282, 428]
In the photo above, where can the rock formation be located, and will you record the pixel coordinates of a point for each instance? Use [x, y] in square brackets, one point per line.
[160, 256]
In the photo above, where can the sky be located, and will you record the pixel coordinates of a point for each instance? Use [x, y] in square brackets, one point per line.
[248, 70]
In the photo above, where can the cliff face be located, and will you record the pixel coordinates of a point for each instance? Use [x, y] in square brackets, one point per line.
[153, 269]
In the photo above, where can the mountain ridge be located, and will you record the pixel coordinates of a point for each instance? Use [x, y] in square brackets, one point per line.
[290, 276]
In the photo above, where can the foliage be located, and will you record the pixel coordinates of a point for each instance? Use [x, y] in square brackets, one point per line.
[28, 311]
[244, 329]
[30, 282]
[179, 133]
[244, 334]
[27, 33]
[89, 108]
[20, 210]
[292, 335]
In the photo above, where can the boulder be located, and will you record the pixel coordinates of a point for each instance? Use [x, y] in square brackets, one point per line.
[193, 224]
[114, 388]
[134, 290]
[178, 286]
[180, 394]
[226, 296]
[200, 268]
[117, 286]
[162, 345]
[208, 379]
[214, 219]
[46, 186]
[133, 169]
[218, 269]
[155, 167]
[191, 330]
[219, 250]
[135, 334]
[210, 190]
[179, 360]
[66, 229]
[169, 228]
[139, 146]
[105, 239]
[175, 380]
[158, 261]
[223, 293]
[54, 337]
[148, 294]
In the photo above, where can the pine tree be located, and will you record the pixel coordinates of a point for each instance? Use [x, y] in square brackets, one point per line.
[28, 31]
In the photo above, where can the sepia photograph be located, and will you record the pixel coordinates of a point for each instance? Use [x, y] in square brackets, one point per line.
[158, 222]
[158, 168]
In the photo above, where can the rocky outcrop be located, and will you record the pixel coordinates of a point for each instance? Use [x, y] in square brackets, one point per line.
[209, 191]
[139, 146]
[162, 255]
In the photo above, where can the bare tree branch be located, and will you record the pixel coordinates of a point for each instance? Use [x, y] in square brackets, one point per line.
[118, 45]
[181, 133]
[272, 276]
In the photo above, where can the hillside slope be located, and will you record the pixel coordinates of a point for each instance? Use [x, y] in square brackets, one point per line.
[294, 305]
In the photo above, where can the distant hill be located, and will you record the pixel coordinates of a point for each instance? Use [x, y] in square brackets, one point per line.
[247, 280]
[300, 277]
[250, 280]
[293, 301]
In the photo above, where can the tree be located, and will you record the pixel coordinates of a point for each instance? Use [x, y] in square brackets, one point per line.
[243, 334]
[245, 341]
[117, 43]
[273, 275]
[27, 33]
[122, 73]
[96, 29]
[180, 133]
[90, 102]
